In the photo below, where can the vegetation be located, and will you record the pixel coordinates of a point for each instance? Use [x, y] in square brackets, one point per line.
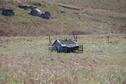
[95, 17]
[26, 60]
[24, 54]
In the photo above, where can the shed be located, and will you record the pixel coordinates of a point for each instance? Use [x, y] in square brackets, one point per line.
[35, 12]
[46, 15]
[8, 12]
[65, 45]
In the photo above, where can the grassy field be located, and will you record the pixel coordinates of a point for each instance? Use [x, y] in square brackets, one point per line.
[95, 17]
[26, 60]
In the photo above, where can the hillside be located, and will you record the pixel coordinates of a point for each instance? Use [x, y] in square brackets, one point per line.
[94, 17]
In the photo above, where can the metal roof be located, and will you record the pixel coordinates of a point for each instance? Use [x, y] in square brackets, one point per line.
[67, 43]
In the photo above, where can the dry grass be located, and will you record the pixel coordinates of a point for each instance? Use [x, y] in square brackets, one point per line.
[26, 60]
[105, 18]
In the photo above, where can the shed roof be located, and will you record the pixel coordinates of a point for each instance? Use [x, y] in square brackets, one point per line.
[67, 43]
[38, 10]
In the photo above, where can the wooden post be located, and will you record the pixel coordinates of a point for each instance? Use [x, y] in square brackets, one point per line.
[108, 39]
[50, 40]
[81, 48]
[75, 36]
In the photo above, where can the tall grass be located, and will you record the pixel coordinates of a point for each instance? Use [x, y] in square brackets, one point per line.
[26, 60]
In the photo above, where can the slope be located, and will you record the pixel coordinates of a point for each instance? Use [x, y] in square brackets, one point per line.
[95, 17]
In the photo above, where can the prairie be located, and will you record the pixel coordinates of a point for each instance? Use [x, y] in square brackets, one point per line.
[27, 60]
[24, 54]
[95, 17]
